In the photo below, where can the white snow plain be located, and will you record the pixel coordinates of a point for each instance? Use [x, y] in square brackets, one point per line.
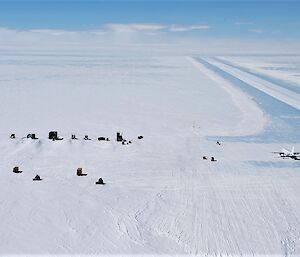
[160, 196]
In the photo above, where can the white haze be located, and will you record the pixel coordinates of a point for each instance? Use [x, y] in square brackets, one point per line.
[147, 38]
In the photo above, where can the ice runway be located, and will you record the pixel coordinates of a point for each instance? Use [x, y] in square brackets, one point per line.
[288, 96]
[160, 197]
[281, 119]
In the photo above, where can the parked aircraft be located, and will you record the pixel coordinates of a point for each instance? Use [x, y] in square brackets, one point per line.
[284, 154]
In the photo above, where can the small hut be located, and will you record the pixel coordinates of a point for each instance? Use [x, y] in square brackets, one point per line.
[16, 170]
[74, 137]
[86, 137]
[32, 136]
[53, 135]
[100, 182]
[119, 137]
[37, 178]
[213, 159]
[79, 172]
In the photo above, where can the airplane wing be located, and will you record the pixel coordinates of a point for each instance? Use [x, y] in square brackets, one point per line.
[296, 158]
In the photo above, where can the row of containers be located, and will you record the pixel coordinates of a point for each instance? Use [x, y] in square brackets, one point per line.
[53, 135]
[79, 173]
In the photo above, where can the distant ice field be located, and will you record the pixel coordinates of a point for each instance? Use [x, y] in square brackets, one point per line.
[108, 93]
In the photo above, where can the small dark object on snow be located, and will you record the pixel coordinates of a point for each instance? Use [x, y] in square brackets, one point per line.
[218, 143]
[13, 136]
[119, 137]
[32, 136]
[213, 159]
[54, 136]
[79, 172]
[74, 137]
[16, 169]
[86, 137]
[129, 142]
[123, 142]
[140, 137]
[107, 139]
[101, 138]
[37, 178]
[204, 158]
[100, 182]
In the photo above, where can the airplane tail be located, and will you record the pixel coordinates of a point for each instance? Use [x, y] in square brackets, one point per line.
[286, 151]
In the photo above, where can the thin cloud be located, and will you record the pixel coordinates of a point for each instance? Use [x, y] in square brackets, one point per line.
[145, 41]
[134, 27]
[123, 28]
[53, 32]
[98, 32]
[258, 31]
[153, 27]
[181, 28]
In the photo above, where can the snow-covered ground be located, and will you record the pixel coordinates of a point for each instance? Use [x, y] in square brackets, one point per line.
[160, 196]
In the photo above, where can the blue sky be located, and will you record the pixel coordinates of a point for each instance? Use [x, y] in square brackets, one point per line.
[237, 19]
